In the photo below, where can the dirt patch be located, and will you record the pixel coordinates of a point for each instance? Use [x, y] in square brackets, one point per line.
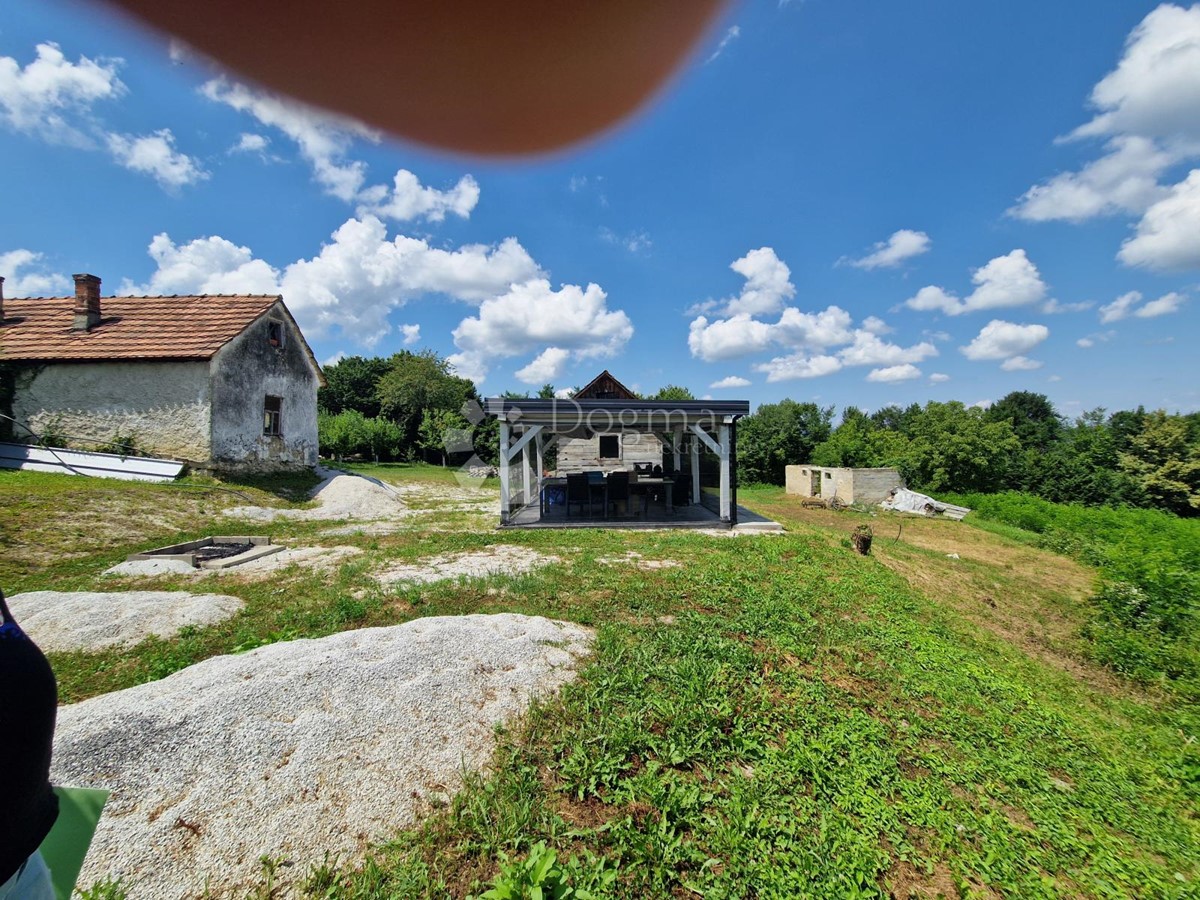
[635, 559]
[500, 559]
[904, 881]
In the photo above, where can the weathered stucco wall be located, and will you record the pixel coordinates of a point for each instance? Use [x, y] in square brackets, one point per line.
[161, 406]
[244, 372]
[868, 486]
[583, 454]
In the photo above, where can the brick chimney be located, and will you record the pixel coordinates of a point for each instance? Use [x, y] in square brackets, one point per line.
[87, 303]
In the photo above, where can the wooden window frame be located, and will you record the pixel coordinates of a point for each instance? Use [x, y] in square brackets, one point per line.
[272, 418]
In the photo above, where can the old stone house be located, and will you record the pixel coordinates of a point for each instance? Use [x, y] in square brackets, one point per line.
[225, 382]
[607, 452]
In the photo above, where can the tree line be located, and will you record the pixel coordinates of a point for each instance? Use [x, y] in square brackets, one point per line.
[409, 406]
[1021, 443]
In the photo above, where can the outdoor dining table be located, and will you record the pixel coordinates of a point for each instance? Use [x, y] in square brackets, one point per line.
[597, 482]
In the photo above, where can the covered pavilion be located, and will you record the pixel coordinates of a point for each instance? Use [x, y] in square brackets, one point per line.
[687, 429]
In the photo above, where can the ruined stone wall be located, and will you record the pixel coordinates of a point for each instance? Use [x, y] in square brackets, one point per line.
[244, 373]
[868, 486]
[162, 407]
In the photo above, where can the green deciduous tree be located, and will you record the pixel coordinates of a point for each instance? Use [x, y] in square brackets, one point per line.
[955, 448]
[672, 392]
[441, 429]
[1165, 464]
[779, 435]
[1032, 416]
[352, 384]
[415, 382]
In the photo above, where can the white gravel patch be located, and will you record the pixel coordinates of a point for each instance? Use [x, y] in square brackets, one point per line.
[500, 559]
[87, 620]
[151, 567]
[339, 496]
[299, 748]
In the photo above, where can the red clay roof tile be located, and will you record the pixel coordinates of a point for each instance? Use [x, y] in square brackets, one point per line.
[195, 327]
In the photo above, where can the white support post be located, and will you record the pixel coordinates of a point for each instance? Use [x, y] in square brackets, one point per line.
[726, 483]
[695, 442]
[528, 436]
[541, 466]
[505, 496]
[677, 445]
[525, 474]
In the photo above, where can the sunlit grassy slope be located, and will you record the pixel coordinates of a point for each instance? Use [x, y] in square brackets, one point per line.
[774, 717]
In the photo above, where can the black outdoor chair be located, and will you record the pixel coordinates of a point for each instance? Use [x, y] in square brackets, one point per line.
[682, 493]
[618, 490]
[578, 491]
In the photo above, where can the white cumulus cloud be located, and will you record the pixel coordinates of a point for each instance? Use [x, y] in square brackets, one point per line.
[36, 98]
[1155, 88]
[768, 283]
[1020, 364]
[251, 143]
[1005, 281]
[545, 367]
[1168, 235]
[155, 155]
[25, 275]
[798, 365]
[1124, 180]
[533, 315]
[411, 334]
[324, 141]
[408, 199]
[1130, 304]
[727, 338]
[938, 378]
[209, 265]
[890, 374]
[353, 283]
[730, 381]
[1146, 113]
[323, 138]
[869, 350]
[902, 245]
[1001, 340]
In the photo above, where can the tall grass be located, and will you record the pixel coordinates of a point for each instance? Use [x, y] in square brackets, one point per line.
[1146, 622]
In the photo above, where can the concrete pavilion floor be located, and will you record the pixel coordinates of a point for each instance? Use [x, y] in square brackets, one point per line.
[655, 516]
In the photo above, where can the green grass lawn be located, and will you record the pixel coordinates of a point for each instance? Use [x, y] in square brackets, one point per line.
[777, 717]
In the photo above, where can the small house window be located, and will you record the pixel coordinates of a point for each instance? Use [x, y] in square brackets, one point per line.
[828, 474]
[275, 334]
[273, 416]
[610, 446]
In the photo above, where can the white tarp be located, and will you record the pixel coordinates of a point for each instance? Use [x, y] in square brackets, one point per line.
[904, 500]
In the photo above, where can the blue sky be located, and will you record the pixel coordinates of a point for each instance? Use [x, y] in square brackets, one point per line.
[849, 202]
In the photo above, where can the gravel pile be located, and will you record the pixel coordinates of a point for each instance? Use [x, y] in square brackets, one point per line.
[87, 620]
[339, 496]
[501, 559]
[299, 748]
